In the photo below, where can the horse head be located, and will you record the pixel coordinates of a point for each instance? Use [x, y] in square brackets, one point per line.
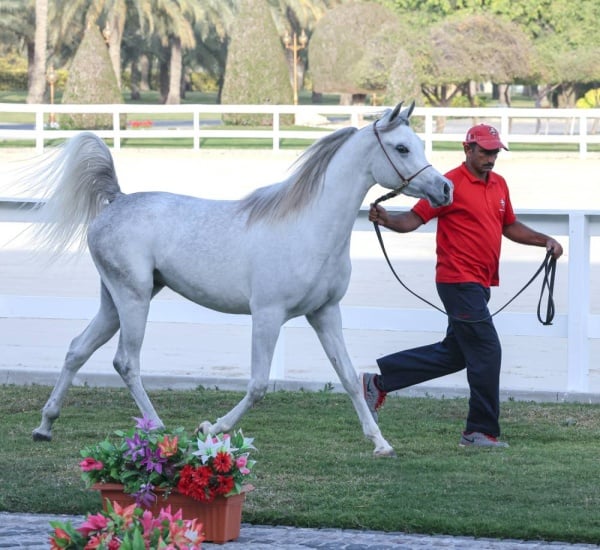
[400, 163]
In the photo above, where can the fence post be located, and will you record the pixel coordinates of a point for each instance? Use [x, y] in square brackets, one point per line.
[275, 129]
[39, 130]
[582, 135]
[196, 123]
[116, 130]
[428, 133]
[578, 356]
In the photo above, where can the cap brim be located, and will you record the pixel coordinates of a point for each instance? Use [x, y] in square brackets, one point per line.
[490, 145]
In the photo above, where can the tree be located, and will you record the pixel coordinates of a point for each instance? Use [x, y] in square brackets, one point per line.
[564, 34]
[37, 84]
[473, 48]
[339, 65]
[173, 23]
[213, 32]
[91, 80]
[17, 25]
[403, 83]
[568, 51]
[257, 71]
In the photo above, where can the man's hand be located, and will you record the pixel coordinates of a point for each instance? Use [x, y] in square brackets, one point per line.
[555, 247]
[378, 214]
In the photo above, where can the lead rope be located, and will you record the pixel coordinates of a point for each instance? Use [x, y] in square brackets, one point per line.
[548, 266]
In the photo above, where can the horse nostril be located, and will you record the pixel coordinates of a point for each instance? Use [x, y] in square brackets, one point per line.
[448, 191]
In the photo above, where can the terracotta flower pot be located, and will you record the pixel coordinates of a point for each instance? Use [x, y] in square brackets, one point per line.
[221, 519]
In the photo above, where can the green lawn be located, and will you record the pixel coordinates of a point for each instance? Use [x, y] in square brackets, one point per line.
[315, 468]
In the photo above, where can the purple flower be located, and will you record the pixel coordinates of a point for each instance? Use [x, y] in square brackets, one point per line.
[153, 461]
[136, 447]
[145, 497]
[145, 424]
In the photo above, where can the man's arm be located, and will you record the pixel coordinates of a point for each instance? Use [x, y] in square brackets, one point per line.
[520, 233]
[402, 222]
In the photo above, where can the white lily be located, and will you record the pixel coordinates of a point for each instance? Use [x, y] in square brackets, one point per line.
[211, 446]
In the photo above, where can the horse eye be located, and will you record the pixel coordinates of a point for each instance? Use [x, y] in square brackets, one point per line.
[401, 149]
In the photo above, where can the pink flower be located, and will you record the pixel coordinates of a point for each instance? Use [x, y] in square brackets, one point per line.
[93, 523]
[88, 464]
[241, 464]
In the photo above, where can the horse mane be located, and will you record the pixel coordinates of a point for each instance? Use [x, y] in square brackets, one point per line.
[275, 202]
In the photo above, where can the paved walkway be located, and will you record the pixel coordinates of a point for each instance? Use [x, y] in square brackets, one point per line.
[31, 531]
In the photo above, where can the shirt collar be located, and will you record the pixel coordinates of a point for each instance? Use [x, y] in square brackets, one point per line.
[473, 178]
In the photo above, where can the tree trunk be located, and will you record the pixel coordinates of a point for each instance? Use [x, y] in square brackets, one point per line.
[144, 64]
[115, 25]
[163, 79]
[37, 84]
[135, 80]
[175, 67]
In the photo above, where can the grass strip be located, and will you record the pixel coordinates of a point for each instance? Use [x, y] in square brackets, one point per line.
[315, 468]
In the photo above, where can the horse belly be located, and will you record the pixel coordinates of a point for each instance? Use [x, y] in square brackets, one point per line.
[215, 287]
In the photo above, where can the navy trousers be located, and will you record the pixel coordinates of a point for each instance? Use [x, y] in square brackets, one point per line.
[468, 344]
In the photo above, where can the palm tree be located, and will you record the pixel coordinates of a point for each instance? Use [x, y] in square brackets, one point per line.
[173, 22]
[37, 84]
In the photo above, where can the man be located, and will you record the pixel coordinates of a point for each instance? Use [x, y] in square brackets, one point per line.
[469, 235]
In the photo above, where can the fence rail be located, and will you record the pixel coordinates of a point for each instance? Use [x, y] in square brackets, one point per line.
[437, 124]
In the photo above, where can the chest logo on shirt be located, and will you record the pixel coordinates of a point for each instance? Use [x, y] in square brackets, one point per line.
[502, 205]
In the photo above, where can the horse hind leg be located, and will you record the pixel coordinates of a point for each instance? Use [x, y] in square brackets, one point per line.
[99, 331]
[327, 323]
[136, 304]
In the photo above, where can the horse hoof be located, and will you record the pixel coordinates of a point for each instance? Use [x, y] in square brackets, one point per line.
[41, 436]
[385, 453]
[204, 428]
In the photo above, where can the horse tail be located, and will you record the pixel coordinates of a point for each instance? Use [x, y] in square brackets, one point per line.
[74, 184]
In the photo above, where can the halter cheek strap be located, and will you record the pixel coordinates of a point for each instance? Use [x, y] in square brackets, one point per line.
[405, 181]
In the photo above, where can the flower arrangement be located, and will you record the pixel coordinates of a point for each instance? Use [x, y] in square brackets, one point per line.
[147, 458]
[128, 528]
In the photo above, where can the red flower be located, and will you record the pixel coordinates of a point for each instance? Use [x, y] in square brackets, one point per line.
[88, 464]
[203, 484]
[226, 484]
[223, 462]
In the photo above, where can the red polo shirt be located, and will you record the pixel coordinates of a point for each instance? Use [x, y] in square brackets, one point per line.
[469, 231]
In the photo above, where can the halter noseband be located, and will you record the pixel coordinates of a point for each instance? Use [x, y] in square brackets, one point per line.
[405, 181]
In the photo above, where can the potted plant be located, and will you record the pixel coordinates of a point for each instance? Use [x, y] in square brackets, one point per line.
[128, 528]
[205, 476]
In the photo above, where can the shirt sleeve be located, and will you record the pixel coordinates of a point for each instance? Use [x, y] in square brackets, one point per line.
[425, 211]
[509, 213]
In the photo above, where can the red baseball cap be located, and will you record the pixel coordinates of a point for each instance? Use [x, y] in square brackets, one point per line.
[487, 137]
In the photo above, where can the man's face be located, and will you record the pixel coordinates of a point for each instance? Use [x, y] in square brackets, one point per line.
[481, 161]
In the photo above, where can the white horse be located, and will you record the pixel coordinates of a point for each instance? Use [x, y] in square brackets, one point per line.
[281, 252]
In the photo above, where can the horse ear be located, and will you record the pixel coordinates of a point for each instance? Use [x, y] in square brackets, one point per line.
[396, 111]
[408, 111]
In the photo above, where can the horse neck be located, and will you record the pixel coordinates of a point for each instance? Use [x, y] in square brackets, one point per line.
[347, 180]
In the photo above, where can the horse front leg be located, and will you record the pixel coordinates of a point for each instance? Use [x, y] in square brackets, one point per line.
[265, 331]
[327, 323]
[100, 330]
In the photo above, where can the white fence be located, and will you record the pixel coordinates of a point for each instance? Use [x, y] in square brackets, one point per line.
[577, 325]
[516, 125]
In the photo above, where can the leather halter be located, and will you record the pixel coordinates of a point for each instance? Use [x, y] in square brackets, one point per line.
[405, 181]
